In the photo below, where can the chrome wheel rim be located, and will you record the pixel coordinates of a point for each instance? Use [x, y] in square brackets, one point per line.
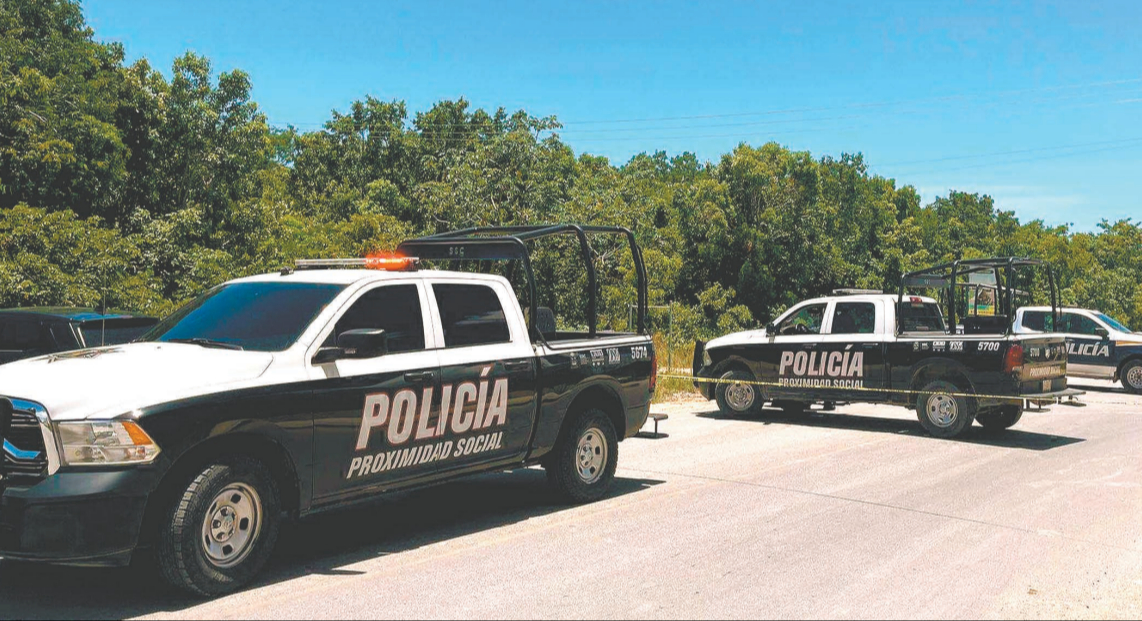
[943, 410]
[232, 525]
[1134, 378]
[591, 456]
[740, 396]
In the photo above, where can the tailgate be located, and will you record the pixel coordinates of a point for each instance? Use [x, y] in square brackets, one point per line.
[1044, 367]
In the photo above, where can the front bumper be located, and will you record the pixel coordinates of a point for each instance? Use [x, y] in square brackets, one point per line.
[75, 518]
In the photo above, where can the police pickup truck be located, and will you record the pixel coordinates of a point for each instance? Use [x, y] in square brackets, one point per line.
[896, 349]
[290, 393]
[1098, 346]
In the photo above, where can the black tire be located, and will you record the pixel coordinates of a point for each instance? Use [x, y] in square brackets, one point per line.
[582, 466]
[1132, 376]
[941, 414]
[738, 399]
[1000, 418]
[253, 508]
[791, 407]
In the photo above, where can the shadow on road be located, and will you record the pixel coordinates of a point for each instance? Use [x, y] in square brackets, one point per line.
[1012, 438]
[1114, 390]
[318, 545]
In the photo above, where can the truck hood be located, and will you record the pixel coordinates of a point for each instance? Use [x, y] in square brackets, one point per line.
[110, 381]
[737, 338]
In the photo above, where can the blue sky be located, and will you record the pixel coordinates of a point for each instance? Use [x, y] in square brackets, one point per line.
[1037, 104]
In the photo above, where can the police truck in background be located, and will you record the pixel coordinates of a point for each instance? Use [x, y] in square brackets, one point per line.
[297, 392]
[1099, 347]
[896, 349]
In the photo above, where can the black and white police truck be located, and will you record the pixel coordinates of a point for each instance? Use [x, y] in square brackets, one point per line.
[1098, 346]
[897, 349]
[291, 393]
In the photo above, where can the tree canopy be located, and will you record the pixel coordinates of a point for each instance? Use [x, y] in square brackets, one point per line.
[117, 181]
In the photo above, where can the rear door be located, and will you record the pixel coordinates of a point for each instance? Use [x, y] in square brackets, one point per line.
[375, 419]
[488, 371]
[852, 361]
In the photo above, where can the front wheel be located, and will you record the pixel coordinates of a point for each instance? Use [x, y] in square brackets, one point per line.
[1003, 417]
[736, 394]
[943, 410]
[1132, 376]
[584, 462]
[221, 529]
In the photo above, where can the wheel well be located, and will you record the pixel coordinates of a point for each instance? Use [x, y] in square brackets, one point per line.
[932, 373]
[603, 398]
[1122, 365]
[730, 364]
[190, 463]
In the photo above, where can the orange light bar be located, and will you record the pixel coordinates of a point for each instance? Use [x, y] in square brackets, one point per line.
[388, 262]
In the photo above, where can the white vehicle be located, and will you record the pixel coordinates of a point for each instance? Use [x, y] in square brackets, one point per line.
[1099, 347]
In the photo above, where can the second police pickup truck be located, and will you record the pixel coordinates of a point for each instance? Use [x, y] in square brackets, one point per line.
[296, 392]
[897, 349]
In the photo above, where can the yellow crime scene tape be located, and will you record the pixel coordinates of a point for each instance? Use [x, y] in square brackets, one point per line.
[897, 391]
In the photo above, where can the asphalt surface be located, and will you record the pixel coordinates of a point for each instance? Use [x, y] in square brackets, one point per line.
[854, 513]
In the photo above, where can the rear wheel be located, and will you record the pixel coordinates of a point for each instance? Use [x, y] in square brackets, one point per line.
[221, 529]
[1003, 417]
[1132, 376]
[583, 464]
[943, 411]
[736, 395]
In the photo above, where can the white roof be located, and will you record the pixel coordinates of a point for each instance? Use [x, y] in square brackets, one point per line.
[353, 276]
[890, 298]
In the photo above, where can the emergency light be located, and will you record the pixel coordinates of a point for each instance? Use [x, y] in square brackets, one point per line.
[390, 263]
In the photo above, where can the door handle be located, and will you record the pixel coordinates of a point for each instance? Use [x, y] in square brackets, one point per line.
[520, 365]
[419, 377]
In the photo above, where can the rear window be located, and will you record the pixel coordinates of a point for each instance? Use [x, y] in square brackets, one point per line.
[114, 331]
[1039, 320]
[923, 317]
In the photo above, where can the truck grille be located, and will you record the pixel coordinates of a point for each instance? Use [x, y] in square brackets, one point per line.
[25, 457]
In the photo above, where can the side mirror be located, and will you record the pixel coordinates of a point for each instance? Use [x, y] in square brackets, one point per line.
[771, 329]
[363, 343]
[1103, 332]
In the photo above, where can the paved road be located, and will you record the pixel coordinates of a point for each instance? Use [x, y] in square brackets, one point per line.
[853, 514]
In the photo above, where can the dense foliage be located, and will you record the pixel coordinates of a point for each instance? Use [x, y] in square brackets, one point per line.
[115, 180]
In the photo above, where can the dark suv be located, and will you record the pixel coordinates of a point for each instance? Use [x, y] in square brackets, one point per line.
[30, 332]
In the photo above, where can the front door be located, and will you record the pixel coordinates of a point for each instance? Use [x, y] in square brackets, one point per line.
[791, 354]
[1088, 353]
[488, 373]
[375, 423]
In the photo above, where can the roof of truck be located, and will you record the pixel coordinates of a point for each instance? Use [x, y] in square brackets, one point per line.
[353, 276]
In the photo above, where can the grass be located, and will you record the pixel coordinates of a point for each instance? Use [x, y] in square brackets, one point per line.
[675, 360]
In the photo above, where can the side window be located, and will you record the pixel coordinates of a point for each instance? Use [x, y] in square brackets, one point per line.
[1038, 320]
[471, 315]
[25, 336]
[805, 321]
[1081, 324]
[854, 318]
[394, 309]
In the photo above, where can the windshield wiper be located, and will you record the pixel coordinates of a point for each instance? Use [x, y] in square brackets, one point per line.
[209, 343]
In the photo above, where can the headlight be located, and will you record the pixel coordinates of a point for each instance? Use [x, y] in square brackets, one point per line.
[706, 359]
[105, 443]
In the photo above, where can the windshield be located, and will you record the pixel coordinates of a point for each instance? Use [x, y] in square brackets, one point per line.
[114, 331]
[1110, 321]
[257, 316]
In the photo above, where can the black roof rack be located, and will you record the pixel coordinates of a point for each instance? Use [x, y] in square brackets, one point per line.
[506, 243]
[946, 276]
